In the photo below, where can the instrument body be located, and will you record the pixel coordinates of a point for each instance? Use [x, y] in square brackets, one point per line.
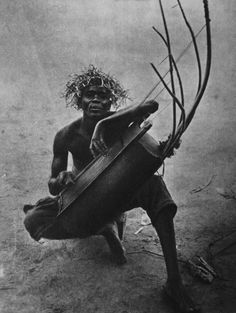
[109, 182]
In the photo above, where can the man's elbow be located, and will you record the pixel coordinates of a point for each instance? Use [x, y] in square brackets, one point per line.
[152, 106]
[146, 108]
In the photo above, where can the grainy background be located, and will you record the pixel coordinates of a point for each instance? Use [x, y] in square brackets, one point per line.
[42, 42]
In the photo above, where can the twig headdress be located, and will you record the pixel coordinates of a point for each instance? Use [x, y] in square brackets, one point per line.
[93, 77]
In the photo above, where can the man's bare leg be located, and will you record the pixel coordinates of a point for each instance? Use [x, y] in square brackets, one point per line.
[110, 232]
[174, 286]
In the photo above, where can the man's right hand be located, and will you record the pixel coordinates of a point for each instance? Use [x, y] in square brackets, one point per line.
[65, 178]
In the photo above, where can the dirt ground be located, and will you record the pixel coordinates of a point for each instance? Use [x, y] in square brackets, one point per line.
[41, 43]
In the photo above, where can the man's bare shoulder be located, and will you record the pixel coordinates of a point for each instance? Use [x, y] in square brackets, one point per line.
[66, 134]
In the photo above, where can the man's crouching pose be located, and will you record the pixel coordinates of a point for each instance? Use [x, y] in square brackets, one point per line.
[95, 93]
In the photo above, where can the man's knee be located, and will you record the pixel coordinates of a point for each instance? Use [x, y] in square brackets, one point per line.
[36, 221]
[31, 222]
[167, 213]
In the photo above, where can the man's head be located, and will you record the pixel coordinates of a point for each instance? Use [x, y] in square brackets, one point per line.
[88, 82]
[96, 101]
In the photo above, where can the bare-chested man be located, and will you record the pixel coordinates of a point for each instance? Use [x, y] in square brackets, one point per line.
[95, 92]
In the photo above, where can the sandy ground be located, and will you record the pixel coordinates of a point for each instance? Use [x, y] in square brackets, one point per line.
[41, 43]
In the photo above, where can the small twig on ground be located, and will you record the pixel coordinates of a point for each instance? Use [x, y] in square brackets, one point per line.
[174, 6]
[227, 245]
[145, 221]
[139, 230]
[225, 248]
[226, 194]
[146, 252]
[153, 254]
[207, 266]
[200, 188]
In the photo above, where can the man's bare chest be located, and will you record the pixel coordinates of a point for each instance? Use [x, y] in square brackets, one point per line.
[79, 148]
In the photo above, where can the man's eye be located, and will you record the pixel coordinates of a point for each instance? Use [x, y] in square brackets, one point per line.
[90, 94]
[102, 95]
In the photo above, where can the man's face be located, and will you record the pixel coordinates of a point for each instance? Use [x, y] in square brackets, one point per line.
[96, 101]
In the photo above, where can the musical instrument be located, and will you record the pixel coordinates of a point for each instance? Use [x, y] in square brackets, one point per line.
[109, 182]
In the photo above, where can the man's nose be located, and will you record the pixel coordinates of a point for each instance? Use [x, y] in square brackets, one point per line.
[96, 97]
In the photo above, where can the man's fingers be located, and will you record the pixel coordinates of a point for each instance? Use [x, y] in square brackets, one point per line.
[65, 178]
[93, 148]
[102, 146]
[61, 178]
[98, 147]
[70, 179]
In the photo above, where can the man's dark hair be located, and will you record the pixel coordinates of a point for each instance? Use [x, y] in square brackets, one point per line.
[93, 77]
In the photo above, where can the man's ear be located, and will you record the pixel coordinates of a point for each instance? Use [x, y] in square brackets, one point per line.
[79, 102]
[114, 105]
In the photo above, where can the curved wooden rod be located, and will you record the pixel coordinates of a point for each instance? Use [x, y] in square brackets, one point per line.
[207, 68]
[171, 69]
[204, 83]
[180, 103]
[194, 44]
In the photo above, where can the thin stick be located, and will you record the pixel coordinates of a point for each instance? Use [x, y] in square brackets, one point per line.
[205, 80]
[167, 88]
[207, 69]
[182, 117]
[194, 44]
[200, 188]
[171, 142]
[171, 69]
[153, 254]
[174, 6]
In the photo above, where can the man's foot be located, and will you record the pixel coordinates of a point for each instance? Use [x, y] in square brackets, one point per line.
[177, 293]
[111, 235]
[27, 207]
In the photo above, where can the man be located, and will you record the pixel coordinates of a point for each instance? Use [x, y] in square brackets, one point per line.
[95, 92]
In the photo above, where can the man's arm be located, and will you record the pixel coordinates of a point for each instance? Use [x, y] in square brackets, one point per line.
[59, 175]
[125, 116]
[119, 121]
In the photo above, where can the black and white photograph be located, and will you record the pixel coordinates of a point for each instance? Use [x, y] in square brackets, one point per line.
[118, 156]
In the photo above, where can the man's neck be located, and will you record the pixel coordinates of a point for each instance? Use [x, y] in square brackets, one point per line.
[88, 124]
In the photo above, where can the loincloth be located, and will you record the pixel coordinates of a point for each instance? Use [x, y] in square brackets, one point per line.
[42, 219]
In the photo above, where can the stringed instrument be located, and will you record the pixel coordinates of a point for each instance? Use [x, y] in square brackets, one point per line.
[109, 182]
